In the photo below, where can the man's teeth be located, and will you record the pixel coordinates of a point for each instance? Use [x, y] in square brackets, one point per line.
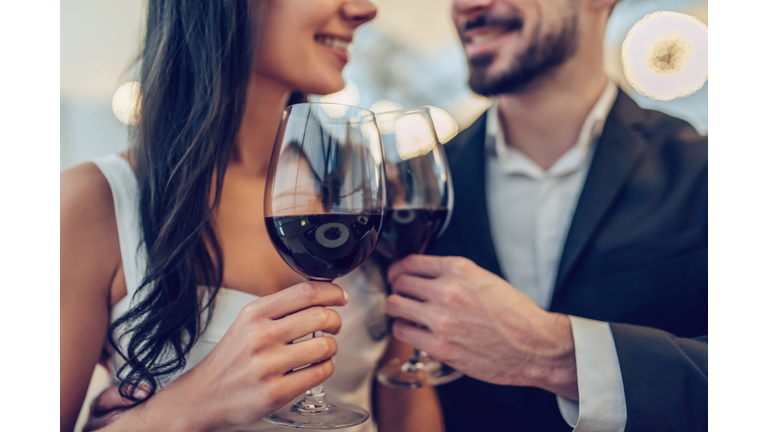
[486, 37]
[334, 43]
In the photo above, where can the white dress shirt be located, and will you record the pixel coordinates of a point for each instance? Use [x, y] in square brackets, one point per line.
[530, 212]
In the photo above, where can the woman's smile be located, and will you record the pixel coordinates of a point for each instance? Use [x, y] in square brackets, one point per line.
[339, 45]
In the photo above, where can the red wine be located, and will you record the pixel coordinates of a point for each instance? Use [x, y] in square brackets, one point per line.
[324, 246]
[409, 231]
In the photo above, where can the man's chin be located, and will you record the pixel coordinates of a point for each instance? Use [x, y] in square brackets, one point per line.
[487, 80]
[484, 84]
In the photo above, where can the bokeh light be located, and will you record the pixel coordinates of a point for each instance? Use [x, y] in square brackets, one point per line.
[125, 103]
[349, 95]
[384, 105]
[445, 125]
[665, 55]
[414, 136]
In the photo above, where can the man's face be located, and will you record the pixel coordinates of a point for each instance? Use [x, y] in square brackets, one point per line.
[511, 43]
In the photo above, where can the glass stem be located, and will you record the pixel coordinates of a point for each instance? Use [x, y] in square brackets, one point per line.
[416, 357]
[415, 364]
[314, 398]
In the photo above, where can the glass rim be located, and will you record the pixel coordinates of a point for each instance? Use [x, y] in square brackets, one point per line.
[367, 111]
[404, 110]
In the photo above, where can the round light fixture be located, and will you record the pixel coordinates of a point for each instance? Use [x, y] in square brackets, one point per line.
[125, 103]
[665, 55]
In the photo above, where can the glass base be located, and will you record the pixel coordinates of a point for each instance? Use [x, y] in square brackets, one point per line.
[411, 375]
[328, 416]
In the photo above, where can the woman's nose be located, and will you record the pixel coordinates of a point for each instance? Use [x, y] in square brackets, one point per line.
[359, 11]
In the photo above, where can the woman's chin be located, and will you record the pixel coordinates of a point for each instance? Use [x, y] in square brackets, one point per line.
[325, 88]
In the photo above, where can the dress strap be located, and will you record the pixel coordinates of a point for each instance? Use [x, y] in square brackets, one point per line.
[125, 194]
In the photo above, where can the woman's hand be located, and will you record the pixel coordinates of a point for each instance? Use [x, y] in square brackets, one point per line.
[250, 372]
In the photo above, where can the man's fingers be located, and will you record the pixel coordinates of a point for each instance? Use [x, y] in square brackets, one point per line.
[413, 335]
[95, 423]
[302, 323]
[110, 399]
[109, 405]
[418, 265]
[298, 297]
[416, 287]
[409, 309]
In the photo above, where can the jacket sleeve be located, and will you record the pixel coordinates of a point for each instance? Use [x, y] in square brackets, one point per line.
[665, 379]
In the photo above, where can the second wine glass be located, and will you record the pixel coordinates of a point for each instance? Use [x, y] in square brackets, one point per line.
[323, 207]
[419, 207]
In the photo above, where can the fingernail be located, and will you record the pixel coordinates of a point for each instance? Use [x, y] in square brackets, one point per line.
[346, 296]
[140, 393]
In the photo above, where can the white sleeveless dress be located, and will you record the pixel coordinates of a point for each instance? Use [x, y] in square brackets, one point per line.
[362, 339]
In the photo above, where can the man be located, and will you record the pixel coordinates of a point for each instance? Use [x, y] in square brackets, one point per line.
[581, 300]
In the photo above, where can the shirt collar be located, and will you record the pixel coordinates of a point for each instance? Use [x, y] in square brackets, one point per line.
[513, 161]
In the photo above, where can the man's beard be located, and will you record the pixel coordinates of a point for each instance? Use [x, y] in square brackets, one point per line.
[539, 59]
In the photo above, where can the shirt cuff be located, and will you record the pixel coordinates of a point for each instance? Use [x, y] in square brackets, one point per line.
[601, 406]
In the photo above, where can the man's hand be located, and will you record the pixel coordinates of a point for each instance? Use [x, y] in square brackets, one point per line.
[108, 406]
[476, 322]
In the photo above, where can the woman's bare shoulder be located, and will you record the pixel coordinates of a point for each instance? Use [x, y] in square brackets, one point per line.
[88, 213]
[85, 193]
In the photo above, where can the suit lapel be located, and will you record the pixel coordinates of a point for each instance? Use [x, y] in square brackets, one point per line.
[617, 150]
[470, 213]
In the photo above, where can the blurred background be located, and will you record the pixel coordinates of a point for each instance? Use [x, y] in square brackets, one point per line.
[408, 56]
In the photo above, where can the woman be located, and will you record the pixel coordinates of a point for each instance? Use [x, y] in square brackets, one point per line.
[150, 238]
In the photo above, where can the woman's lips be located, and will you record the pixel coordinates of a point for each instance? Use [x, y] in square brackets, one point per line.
[339, 45]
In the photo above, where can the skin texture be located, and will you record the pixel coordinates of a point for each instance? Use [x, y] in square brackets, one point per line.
[245, 377]
[477, 323]
[467, 317]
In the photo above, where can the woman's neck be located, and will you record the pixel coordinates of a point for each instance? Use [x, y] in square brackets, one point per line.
[258, 128]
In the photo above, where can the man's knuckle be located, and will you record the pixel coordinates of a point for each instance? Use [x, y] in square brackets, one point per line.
[457, 265]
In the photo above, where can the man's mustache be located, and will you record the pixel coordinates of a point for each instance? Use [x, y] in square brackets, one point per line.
[512, 22]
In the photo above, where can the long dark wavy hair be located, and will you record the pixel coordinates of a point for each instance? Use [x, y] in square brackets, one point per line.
[196, 64]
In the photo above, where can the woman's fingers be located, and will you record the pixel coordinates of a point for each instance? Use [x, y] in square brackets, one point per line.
[309, 377]
[307, 352]
[302, 323]
[298, 297]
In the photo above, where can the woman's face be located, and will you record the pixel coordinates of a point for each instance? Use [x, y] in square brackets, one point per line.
[304, 43]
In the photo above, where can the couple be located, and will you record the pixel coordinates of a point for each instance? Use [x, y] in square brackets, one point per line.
[570, 287]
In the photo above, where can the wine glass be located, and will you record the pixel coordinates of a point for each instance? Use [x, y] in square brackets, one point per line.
[323, 207]
[419, 207]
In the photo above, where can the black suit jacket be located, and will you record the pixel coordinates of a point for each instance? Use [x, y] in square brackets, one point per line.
[635, 256]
